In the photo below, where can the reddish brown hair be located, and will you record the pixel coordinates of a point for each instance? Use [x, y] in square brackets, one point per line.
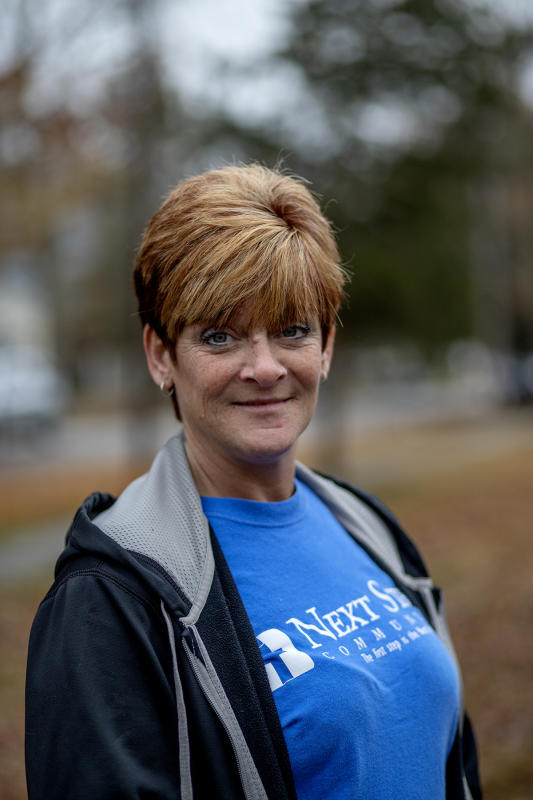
[234, 235]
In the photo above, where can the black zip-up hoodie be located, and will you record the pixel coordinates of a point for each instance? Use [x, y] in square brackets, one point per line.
[144, 675]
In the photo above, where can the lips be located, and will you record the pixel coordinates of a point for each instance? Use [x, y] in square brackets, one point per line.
[264, 401]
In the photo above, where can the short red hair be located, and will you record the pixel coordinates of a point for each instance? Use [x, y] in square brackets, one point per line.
[235, 235]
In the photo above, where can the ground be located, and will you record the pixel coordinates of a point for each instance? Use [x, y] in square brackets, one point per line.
[464, 491]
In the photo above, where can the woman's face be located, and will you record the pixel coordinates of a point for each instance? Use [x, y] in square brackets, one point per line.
[248, 394]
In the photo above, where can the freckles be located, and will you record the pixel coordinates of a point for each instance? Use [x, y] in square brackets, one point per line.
[211, 396]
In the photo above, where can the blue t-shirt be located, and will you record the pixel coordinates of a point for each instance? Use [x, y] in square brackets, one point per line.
[366, 692]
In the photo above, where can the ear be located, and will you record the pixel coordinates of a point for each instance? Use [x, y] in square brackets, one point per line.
[327, 353]
[157, 357]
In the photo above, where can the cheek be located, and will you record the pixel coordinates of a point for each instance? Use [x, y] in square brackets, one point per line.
[309, 372]
[205, 386]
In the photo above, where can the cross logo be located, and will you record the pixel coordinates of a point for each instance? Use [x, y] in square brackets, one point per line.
[296, 662]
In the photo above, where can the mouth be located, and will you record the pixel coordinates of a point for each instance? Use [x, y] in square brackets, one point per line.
[265, 403]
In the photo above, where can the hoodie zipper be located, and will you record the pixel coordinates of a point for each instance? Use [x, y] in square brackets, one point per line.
[201, 681]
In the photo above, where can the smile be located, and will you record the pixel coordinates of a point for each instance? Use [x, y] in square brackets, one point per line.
[263, 404]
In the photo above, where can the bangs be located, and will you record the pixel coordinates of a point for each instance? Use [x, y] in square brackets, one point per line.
[279, 282]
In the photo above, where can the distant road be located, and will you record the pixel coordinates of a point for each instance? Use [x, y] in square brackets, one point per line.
[85, 439]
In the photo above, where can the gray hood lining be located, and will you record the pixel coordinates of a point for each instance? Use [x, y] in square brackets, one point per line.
[160, 515]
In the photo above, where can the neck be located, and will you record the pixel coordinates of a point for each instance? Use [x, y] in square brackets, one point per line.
[219, 475]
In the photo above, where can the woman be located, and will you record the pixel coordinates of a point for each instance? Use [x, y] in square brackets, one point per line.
[235, 625]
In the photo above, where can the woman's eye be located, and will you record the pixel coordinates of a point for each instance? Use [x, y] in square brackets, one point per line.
[295, 332]
[216, 338]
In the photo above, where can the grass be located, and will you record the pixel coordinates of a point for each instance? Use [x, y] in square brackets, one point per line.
[465, 494]
[474, 530]
[17, 608]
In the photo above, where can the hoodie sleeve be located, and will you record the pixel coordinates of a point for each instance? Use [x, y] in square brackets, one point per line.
[100, 710]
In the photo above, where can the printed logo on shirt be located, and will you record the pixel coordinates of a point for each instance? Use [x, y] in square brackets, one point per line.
[397, 629]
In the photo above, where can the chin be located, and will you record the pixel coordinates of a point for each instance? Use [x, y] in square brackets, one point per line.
[266, 449]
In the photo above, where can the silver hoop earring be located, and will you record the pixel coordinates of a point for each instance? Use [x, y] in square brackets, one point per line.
[168, 391]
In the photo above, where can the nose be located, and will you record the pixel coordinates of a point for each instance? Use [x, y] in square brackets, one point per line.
[263, 364]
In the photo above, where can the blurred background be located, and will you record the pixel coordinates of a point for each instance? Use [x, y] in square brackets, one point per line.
[413, 122]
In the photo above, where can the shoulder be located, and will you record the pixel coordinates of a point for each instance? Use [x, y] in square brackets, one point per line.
[95, 568]
[159, 517]
[367, 516]
[96, 599]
